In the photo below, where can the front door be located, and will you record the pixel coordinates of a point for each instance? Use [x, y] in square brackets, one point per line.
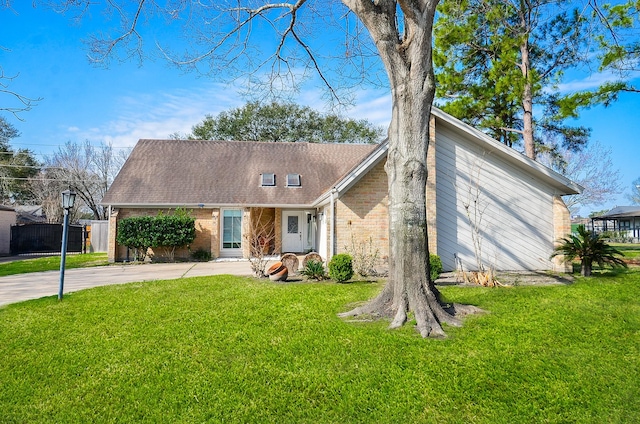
[292, 231]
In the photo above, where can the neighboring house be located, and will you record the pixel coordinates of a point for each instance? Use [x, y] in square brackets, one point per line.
[333, 197]
[622, 219]
[7, 219]
[30, 214]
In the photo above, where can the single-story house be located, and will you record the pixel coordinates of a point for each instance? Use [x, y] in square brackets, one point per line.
[624, 220]
[332, 197]
[7, 219]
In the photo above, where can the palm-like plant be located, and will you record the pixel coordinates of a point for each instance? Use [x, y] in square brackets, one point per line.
[589, 247]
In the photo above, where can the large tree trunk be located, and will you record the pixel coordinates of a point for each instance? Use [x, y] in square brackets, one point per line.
[527, 100]
[407, 59]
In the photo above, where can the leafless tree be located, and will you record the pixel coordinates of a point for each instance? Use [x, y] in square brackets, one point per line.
[475, 206]
[86, 168]
[47, 191]
[13, 102]
[261, 238]
[230, 38]
[634, 195]
[593, 169]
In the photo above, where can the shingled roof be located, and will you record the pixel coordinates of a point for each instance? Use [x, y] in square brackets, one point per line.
[190, 172]
[622, 212]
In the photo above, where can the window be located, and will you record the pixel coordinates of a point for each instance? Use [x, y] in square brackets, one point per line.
[310, 221]
[293, 180]
[268, 180]
[232, 229]
[292, 224]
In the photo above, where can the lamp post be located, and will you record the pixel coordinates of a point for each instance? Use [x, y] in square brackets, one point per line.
[68, 199]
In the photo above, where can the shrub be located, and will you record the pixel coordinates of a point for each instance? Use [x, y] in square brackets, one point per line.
[163, 231]
[135, 233]
[201, 255]
[435, 265]
[616, 236]
[341, 267]
[314, 269]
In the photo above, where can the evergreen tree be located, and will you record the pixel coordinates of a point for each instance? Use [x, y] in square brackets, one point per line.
[618, 45]
[16, 168]
[499, 63]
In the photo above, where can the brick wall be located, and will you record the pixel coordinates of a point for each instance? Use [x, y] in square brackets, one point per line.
[206, 232]
[561, 228]
[362, 214]
[261, 231]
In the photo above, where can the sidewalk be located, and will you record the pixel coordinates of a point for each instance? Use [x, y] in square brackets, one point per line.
[21, 287]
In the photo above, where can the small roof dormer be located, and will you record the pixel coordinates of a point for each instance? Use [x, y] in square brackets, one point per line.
[293, 180]
[268, 179]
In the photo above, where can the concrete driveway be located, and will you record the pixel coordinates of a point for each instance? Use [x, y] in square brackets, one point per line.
[18, 288]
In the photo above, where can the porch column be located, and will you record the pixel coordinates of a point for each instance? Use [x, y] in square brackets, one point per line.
[561, 228]
[246, 230]
[277, 246]
[215, 233]
[112, 246]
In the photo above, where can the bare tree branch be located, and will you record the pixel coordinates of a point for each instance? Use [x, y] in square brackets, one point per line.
[24, 103]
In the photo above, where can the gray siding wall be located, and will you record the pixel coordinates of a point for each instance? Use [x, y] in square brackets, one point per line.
[7, 219]
[513, 211]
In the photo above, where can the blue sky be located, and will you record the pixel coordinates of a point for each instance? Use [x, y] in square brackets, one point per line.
[127, 102]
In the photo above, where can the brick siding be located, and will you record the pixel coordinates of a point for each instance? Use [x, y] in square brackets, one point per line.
[561, 228]
[205, 223]
[362, 214]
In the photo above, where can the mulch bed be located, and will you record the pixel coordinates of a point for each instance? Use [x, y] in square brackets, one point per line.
[511, 278]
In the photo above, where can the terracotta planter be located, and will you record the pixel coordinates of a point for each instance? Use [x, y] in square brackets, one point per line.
[278, 272]
[281, 275]
[274, 268]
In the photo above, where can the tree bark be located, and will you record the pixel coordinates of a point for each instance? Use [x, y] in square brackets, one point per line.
[527, 102]
[407, 59]
[585, 267]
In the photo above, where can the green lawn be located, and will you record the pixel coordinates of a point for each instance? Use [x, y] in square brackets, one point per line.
[239, 350]
[51, 263]
[629, 250]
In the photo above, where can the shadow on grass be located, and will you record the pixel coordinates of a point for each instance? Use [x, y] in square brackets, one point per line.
[610, 273]
[301, 279]
[606, 272]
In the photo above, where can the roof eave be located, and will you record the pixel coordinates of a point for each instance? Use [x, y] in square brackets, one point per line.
[355, 174]
[564, 185]
[190, 205]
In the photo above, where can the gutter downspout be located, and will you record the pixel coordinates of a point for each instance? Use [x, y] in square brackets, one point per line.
[332, 226]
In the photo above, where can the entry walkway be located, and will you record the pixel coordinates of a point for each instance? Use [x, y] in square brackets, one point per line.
[21, 287]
